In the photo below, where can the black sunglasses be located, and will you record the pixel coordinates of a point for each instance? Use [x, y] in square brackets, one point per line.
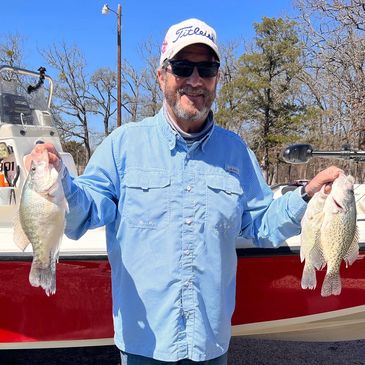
[184, 68]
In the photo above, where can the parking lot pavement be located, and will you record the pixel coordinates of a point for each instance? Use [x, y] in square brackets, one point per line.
[241, 352]
[265, 352]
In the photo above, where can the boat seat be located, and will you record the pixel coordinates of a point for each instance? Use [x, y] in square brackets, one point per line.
[11, 108]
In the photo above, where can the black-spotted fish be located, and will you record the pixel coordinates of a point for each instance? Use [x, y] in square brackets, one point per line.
[329, 235]
[339, 233]
[310, 248]
[41, 221]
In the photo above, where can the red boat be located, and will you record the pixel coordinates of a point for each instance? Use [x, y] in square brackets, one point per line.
[269, 300]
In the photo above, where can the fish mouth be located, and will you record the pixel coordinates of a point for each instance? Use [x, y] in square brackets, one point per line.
[338, 205]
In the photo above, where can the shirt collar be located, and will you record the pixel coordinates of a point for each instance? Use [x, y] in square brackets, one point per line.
[172, 135]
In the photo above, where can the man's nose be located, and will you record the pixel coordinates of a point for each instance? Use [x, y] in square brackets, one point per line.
[194, 79]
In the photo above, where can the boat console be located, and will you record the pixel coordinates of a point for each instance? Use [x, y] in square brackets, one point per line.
[25, 119]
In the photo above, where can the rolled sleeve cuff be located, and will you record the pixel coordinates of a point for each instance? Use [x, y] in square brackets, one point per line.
[297, 205]
[66, 182]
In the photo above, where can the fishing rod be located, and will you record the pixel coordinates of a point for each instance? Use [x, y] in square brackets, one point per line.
[302, 153]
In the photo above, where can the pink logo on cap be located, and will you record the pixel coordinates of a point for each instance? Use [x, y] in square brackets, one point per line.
[164, 46]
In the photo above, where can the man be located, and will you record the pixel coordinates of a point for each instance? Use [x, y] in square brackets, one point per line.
[174, 192]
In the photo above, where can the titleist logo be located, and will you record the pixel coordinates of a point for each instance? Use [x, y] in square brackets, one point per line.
[187, 31]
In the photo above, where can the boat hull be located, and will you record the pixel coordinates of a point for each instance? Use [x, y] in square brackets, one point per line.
[79, 314]
[269, 302]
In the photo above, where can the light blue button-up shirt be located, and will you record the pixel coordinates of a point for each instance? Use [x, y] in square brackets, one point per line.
[172, 215]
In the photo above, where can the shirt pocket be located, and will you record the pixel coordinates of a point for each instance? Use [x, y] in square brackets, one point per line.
[147, 198]
[224, 209]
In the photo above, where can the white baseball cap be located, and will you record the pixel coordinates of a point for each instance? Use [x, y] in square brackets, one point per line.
[181, 35]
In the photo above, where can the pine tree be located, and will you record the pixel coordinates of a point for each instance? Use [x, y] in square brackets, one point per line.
[262, 96]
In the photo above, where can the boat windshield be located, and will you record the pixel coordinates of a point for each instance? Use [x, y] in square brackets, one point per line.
[17, 105]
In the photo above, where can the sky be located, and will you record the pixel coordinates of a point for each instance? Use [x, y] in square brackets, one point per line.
[42, 23]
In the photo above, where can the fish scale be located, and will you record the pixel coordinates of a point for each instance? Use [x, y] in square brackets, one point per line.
[338, 239]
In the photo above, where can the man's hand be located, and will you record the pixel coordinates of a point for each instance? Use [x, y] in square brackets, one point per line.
[54, 157]
[325, 177]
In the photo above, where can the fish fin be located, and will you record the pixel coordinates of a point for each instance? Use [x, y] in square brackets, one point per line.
[309, 280]
[306, 240]
[310, 233]
[19, 236]
[316, 253]
[331, 285]
[353, 251]
[303, 246]
[45, 277]
[302, 255]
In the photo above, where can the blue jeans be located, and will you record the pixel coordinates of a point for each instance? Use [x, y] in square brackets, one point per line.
[130, 359]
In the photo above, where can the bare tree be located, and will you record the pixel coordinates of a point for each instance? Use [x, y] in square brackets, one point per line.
[132, 81]
[72, 103]
[152, 95]
[334, 34]
[104, 82]
[142, 96]
[11, 50]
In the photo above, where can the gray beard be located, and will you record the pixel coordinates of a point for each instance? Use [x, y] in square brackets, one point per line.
[182, 114]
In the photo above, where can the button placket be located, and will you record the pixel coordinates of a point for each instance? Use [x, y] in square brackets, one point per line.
[187, 247]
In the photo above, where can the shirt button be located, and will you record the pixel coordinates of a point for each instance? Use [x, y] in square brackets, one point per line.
[188, 188]
[186, 252]
[189, 221]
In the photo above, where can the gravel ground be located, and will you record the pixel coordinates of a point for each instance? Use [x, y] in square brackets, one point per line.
[242, 352]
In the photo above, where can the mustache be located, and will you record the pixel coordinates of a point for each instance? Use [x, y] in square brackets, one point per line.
[193, 91]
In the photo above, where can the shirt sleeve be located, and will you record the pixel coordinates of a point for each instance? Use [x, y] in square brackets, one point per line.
[267, 221]
[92, 197]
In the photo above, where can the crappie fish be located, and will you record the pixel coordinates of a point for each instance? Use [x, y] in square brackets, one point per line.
[339, 233]
[310, 248]
[41, 221]
[329, 235]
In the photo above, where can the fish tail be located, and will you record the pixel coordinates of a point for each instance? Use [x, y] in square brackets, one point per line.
[45, 277]
[331, 284]
[309, 280]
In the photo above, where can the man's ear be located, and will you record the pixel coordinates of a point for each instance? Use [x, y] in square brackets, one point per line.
[219, 75]
[161, 74]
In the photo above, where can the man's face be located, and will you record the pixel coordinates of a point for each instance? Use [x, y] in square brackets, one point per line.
[189, 99]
